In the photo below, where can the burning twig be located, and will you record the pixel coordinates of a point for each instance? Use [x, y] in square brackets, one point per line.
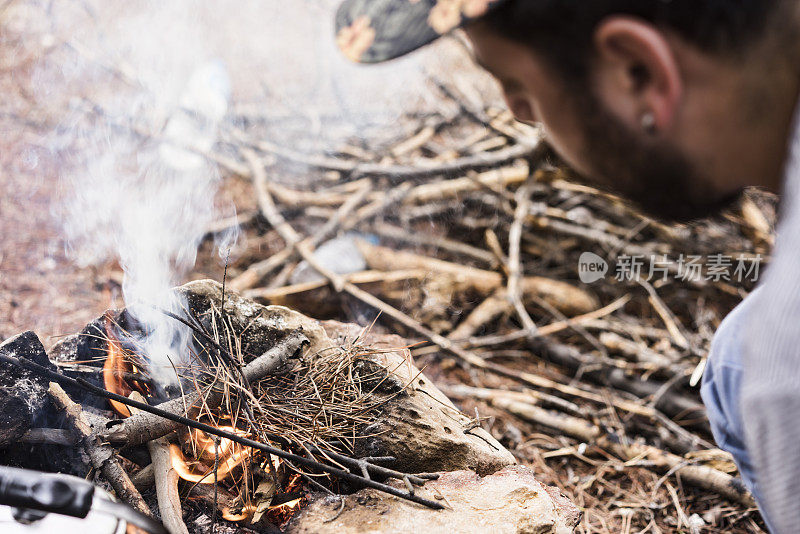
[166, 481]
[215, 431]
[88, 369]
[144, 426]
[48, 436]
[103, 457]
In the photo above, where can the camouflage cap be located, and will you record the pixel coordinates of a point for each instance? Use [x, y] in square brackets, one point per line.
[371, 31]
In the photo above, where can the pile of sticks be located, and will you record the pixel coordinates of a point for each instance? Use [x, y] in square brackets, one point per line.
[479, 246]
[481, 230]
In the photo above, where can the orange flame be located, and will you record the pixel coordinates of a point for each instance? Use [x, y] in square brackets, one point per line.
[113, 369]
[201, 469]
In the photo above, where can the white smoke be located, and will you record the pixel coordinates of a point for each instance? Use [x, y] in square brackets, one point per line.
[145, 200]
[117, 70]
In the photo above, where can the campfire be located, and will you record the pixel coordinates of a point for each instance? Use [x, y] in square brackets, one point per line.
[320, 400]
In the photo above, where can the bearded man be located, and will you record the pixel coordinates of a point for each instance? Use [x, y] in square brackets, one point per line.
[677, 105]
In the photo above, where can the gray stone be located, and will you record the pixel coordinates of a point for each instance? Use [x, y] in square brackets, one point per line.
[510, 501]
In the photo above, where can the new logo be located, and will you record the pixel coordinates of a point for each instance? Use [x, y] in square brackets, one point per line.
[591, 267]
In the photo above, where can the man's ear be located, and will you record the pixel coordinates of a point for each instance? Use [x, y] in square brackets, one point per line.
[636, 73]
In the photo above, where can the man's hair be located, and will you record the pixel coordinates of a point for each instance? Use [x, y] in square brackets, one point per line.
[561, 31]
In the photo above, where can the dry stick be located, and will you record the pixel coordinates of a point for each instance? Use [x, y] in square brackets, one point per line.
[607, 240]
[421, 194]
[214, 431]
[378, 206]
[456, 247]
[564, 296]
[492, 307]
[265, 202]
[569, 357]
[253, 275]
[474, 342]
[493, 242]
[670, 321]
[415, 141]
[539, 398]
[403, 172]
[223, 225]
[577, 328]
[453, 188]
[479, 116]
[462, 391]
[514, 264]
[102, 457]
[538, 218]
[144, 478]
[698, 475]
[672, 233]
[639, 353]
[256, 272]
[497, 304]
[282, 295]
[166, 480]
[284, 229]
[626, 328]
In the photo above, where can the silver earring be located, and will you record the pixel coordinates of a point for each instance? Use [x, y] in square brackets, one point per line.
[649, 123]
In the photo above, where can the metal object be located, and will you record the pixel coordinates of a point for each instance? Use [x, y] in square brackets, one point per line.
[35, 496]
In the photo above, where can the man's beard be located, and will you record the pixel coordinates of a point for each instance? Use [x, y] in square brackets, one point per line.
[656, 177]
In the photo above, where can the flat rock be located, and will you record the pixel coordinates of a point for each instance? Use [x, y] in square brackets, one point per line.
[421, 427]
[262, 326]
[510, 501]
